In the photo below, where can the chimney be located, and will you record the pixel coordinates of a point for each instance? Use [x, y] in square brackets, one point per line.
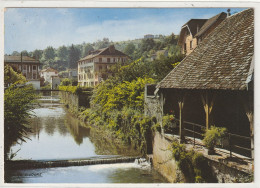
[112, 49]
[228, 14]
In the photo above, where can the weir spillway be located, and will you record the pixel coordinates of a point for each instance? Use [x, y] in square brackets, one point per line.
[28, 164]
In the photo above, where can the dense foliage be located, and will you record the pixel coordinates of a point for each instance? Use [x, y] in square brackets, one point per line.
[193, 165]
[18, 102]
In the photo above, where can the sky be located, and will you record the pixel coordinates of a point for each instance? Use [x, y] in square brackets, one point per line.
[37, 28]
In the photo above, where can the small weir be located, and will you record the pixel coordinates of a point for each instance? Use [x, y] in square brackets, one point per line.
[27, 164]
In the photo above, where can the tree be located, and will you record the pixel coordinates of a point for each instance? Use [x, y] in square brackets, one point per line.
[86, 49]
[24, 53]
[147, 45]
[15, 53]
[18, 101]
[63, 53]
[49, 53]
[74, 56]
[12, 77]
[129, 49]
[37, 54]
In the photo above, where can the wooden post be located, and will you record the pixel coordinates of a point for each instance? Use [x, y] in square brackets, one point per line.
[248, 102]
[181, 104]
[162, 101]
[208, 106]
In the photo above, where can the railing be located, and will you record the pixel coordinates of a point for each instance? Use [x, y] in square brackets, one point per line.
[201, 133]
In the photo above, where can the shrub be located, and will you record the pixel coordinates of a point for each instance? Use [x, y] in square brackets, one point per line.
[213, 136]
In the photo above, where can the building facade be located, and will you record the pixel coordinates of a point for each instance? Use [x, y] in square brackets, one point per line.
[27, 66]
[96, 67]
[195, 30]
[48, 73]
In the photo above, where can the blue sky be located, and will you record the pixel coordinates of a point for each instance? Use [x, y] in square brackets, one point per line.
[36, 28]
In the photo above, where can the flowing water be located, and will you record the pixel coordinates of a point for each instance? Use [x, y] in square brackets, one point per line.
[56, 135]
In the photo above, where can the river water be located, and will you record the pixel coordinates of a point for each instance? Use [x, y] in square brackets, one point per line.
[57, 135]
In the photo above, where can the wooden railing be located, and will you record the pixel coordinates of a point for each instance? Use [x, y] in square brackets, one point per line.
[199, 130]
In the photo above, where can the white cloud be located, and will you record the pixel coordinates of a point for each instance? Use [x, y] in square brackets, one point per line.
[39, 29]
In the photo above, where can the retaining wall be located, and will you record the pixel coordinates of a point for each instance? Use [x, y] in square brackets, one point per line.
[75, 101]
[222, 170]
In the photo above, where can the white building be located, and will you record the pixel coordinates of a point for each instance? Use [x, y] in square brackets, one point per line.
[95, 67]
[48, 73]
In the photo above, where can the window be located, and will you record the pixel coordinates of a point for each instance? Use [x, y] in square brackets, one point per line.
[34, 67]
[100, 67]
[190, 44]
[108, 60]
[114, 59]
[100, 59]
[185, 46]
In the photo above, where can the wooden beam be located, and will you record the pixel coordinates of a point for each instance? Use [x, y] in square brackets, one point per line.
[181, 105]
[208, 107]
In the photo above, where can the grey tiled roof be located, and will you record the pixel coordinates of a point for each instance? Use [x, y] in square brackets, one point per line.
[210, 22]
[221, 61]
[103, 51]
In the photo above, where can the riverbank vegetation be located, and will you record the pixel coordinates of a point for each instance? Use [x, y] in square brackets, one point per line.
[18, 102]
[117, 104]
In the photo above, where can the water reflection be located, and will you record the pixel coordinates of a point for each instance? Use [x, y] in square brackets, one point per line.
[55, 134]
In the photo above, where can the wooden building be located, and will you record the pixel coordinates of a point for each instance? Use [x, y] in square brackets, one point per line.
[195, 30]
[214, 84]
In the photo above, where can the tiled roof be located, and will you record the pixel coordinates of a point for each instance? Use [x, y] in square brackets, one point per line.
[17, 59]
[210, 22]
[104, 51]
[221, 61]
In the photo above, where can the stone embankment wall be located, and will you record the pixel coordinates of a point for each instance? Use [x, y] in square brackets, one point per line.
[163, 161]
[75, 101]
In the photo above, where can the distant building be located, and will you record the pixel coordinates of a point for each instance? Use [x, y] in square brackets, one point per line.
[195, 30]
[48, 73]
[28, 66]
[73, 74]
[149, 36]
[159, 53]
[95, 67]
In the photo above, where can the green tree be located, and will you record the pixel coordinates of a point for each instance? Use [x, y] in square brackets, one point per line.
[12, 77]
[37, 54]
[74, 56]
[15, 53]
[86, 49]
[18, 101]
[49, 53]
[25, 53]
[129, 49]
[62, 53]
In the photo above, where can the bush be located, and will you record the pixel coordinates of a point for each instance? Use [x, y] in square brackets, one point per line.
[213, 136]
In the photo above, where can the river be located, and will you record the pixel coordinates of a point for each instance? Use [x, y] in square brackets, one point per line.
[57, 135]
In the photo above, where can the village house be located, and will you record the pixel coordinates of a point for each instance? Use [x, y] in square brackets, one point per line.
[148, 36]
[28, 66]
[213, 85]
[48, 73]
[158, 54]
[195, 30]
[95, 67]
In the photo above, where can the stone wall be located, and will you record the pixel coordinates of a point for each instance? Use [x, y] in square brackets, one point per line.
[75, 101]
[221, 170]
[163, 161]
